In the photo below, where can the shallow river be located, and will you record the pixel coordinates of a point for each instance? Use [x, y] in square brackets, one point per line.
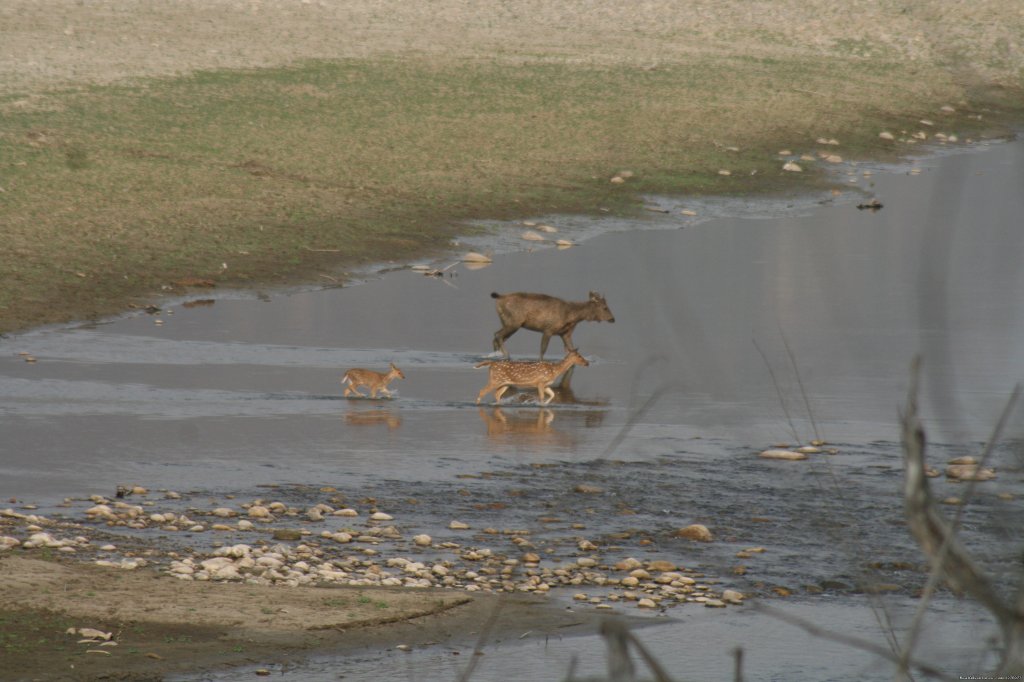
[746, 325]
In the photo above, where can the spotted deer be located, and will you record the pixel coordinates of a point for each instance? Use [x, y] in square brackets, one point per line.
[546, 314]
[375, 381]
[536, 374]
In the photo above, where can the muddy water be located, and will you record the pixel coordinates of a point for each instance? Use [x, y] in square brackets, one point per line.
[745, 325]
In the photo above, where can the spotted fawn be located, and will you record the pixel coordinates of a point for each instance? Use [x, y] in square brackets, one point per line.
[540, 375]
[375, 381]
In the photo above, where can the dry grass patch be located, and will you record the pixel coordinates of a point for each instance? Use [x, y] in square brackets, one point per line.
[117, 192]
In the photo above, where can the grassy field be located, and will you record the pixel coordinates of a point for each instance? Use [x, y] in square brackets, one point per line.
[116, 194]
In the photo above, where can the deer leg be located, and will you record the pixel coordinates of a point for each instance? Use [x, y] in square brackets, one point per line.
[544, 344]
[484, 391]
[550, 395]
[500, 392]
[500, 336]
[567, 340]
[386, 391]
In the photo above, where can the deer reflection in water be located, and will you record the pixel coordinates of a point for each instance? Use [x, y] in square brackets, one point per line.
[520, 426]
[522, 423]
[373, 417]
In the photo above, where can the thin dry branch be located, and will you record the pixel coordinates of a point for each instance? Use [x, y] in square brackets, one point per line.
[848, 640]
[618, 638]
[937, 538]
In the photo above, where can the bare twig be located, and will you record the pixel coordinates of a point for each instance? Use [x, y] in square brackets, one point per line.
[633, 419]
[778, 391]
[848, 640]
[481, 641]
[937, 536]
[935, 573]
[737, 674]
[617, 638]
[800, 383]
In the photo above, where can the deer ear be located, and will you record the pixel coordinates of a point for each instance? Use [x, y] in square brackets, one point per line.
[594, 296]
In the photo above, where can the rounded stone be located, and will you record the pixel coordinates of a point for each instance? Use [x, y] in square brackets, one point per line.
[696, 532]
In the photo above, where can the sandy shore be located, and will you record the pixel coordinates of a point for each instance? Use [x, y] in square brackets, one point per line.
[71, 620]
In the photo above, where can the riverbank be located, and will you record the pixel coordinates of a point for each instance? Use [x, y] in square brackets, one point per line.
[69, 620]
[170, 149]
[113, 585]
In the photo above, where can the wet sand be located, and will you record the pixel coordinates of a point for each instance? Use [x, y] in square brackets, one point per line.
[161, 626]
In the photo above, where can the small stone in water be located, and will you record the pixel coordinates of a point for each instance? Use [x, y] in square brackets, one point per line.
[696, 532]
[287, 534]
[782, 454]
[732, 596]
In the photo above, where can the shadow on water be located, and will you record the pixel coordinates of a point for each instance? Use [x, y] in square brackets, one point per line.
[749, 324]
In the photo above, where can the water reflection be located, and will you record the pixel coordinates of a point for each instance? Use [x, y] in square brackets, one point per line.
[524, 426]
[376, 415]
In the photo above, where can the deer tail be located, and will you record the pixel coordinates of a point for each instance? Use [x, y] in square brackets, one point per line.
[345, 378]
[483, 364]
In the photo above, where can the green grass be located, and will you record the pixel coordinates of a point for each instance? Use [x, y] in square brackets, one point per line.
[113, 194]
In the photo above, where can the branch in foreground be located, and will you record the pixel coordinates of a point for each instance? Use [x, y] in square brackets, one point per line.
[937, 538]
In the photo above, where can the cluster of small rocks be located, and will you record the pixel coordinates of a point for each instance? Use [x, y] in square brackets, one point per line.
[377, 553]
[650, 584]
[39, 538]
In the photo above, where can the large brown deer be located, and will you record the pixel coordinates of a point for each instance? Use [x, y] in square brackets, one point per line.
[534, 374]
[546, 314]
[375, 381]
